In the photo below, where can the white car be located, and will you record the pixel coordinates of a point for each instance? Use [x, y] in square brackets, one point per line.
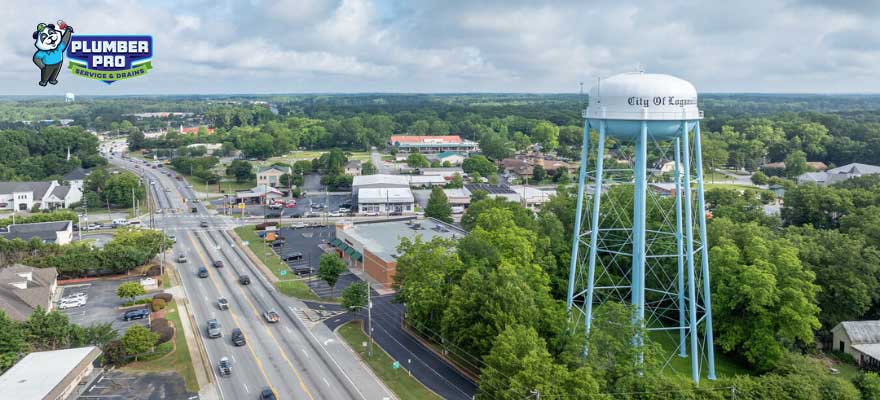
[298, 225]
[371, 214]
[78, 295]
[71, 303]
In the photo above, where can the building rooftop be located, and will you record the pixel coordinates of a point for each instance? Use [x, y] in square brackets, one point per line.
[385, 195]
[382, 238]
[448, 154]
[862, 332]
[855, 169]
[283, 170]
[23, 288]
[47, 231]
[39, 188]
[39, 373]
[491, 189]
[77, 174]
[399, 180]
[407, 139]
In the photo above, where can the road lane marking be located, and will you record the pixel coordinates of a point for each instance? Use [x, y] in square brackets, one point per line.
[307, 354]
[245, 388]
[288, 330]
[302, 383]
[325, 381]
[234, 317]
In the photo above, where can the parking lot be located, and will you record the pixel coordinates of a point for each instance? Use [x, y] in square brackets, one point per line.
[305, 241]
[101, 306]
[138, 386]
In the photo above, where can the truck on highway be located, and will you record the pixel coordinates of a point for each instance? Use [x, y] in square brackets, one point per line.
[271, 316]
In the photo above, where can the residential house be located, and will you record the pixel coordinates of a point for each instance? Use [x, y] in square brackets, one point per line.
[860, 339]
[271, 175]
[22, 196]
[838, 174]
[24, 288]
[353, 167]
[518, 167]
[58, 232]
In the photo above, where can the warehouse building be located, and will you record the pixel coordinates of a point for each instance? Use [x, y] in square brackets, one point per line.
[50, 375]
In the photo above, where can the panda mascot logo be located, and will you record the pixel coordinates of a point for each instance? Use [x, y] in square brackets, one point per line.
[50, 42]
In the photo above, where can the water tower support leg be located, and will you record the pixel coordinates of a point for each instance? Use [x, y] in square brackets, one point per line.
[575, 240]
[689, 230]
[682, 334]
[639, 205]
[704, 255]
[594, 224]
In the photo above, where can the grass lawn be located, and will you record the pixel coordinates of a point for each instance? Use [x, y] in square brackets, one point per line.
[177, 361]
[399, 381]
[708, 186]
[295, 156]
[288, 284]
[229, 186]
[724, 366]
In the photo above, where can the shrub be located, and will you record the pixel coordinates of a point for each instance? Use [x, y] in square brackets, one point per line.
[164, 296]
[114, 353]
[157, 304]
[163, 328]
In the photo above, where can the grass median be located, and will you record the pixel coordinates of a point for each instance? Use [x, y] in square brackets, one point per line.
[287, 284]
[177, 361]
[398, 380]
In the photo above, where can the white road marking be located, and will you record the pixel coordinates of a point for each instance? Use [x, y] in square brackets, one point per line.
[325, 381]
[307, 354]
[288, 329]
[245, 387]
[328, 341]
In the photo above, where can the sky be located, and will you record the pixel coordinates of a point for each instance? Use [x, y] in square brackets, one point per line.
[354, 46]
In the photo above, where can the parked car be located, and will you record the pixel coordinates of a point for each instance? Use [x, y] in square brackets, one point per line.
[244, 280]
[273, 215]
[298, 225]
[335, 214]
[290, 205]
[218, 264]
[203, 272]
[181, 258]
[371, 214]
[173, 238]
[271, 316]
[92, 227]
[222, 303]
[203, 224]
[71, 303]
[276, 206]
[277, 243]
[292, 257]
[395, 212]
[213, 329]
[225, 367]
[238, 337]
[140, 313]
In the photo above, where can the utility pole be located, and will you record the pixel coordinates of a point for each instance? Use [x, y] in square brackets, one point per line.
[370, 317]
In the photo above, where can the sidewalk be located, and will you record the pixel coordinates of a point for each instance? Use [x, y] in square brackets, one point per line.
[207, 388]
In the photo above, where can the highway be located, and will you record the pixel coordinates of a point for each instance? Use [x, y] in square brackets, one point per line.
[296, 361]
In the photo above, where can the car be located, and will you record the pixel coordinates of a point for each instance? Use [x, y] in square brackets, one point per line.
[244, 280]
[271, 316]
[396, 212]
[345, 205]
[181, 258]
[193, 210]
[371, 214]
[203, 272]
[203, 224]
[267, 394]
[173, 238]
[298, 225]
[276, 206]
[213, 328]
[273, 215]
[71, 303]
[317, 206]
[222, 303]
[344, 210]
[218, 264]
[292, 257]
[76, 295]
[311, 214]
[167, 190]
[277, 243]
[224, 367]
[290, 205]
[92, 227]
[140, 313]
[335, 214]
[238, 337]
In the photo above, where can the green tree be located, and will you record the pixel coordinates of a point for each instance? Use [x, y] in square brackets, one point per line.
[438, 206]
[135, 140]
[47, 330]
[479, 164]
[130, 290]
[368, 168]
[820, 206]
[868, 384]
[539, 174]
[759, 178]
[120, 187]
[242, 170]
[416, 160]
[424, 271]
[457, 182]
[796, 164]
[547, 134]
[13, 343]
[521, 141]
[329, 268]
[138, 340]
[355, 296]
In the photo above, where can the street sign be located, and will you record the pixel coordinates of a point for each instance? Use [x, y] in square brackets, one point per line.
[241, 205]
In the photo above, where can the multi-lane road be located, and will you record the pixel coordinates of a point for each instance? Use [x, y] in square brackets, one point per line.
[295, 360]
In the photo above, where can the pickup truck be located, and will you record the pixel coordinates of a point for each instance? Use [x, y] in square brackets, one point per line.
[271, 316]
[222, 303]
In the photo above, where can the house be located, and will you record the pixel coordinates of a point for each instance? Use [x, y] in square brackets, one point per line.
[385, 200]
[193, 130]
[458, 197]
[353, 167]
[533, 197]
[271, 175]
[371, 246]
[22, 196]
[257, 195]
[517, 167]
[445, 172]
[24, 288]
[494, 191]
[210, 148]
[76, 178]
[664, 189]
[58, 232]
[51, 375]
[838, 174]
[431, 144]
[666, 166]
[860, 339]
[451, 157]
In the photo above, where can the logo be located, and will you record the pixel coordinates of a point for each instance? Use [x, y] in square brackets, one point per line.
[50, 41]
[110, 58]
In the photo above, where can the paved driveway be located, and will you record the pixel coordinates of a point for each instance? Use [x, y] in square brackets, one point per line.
[101, 306]
[129, 385]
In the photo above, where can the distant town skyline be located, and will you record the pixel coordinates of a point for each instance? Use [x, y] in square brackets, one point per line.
[383, 46]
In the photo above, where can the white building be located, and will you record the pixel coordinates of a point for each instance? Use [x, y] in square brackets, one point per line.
[50, 375]
[385, 200]
[58, 232]
[271, 175]
[838, 174]
[533, 197]
[378, 181]
[353, 167]
[22, 196]
[69, 98]
[860, 339]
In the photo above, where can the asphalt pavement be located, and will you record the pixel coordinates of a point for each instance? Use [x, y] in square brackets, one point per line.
[101, 306]
[296, 361]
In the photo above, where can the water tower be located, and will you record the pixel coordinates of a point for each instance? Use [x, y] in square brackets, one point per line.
[645, 247]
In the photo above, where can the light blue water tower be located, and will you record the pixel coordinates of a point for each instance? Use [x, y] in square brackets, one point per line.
[648, 128]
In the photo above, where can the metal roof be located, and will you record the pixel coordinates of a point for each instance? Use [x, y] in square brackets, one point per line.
[38, 374]
[385, 195]
[862, 332]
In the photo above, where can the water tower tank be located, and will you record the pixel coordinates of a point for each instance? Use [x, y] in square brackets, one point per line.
[627, 99]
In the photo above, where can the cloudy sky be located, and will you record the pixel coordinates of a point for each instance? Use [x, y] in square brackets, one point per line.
[297, 46]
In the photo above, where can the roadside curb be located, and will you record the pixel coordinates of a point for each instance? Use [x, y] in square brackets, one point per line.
[367, 366]
[467, 374]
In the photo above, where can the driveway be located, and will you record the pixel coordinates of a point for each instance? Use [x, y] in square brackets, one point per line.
[101, 306]
[128, 385]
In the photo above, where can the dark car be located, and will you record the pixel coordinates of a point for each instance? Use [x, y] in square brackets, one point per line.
[273, 215]
[292, 257]
[277, 243]
[244, 280]
[238, 337]
[193, 210]
[218, 264]
[204, 224]
[140, 313]
[267, 394]
[395, 212]
[203, 272]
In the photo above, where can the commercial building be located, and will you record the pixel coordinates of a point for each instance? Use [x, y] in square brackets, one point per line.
[58, 232]
[533, 197]
[451, 157]
[271, 175]
[860, 339]
[838, 174]
[385, 200]
[431, 144]
[22, 196]
[445, 172]
[24, 288]
[260, 194]
[372, 246]
[50, 375]
[383, 181]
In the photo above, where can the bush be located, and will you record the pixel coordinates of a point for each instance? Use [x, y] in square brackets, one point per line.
[158, 304]
[163, 328]
[114, 353]
[164, 296]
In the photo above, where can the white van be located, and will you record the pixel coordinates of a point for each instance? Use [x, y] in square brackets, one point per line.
[120, 222]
